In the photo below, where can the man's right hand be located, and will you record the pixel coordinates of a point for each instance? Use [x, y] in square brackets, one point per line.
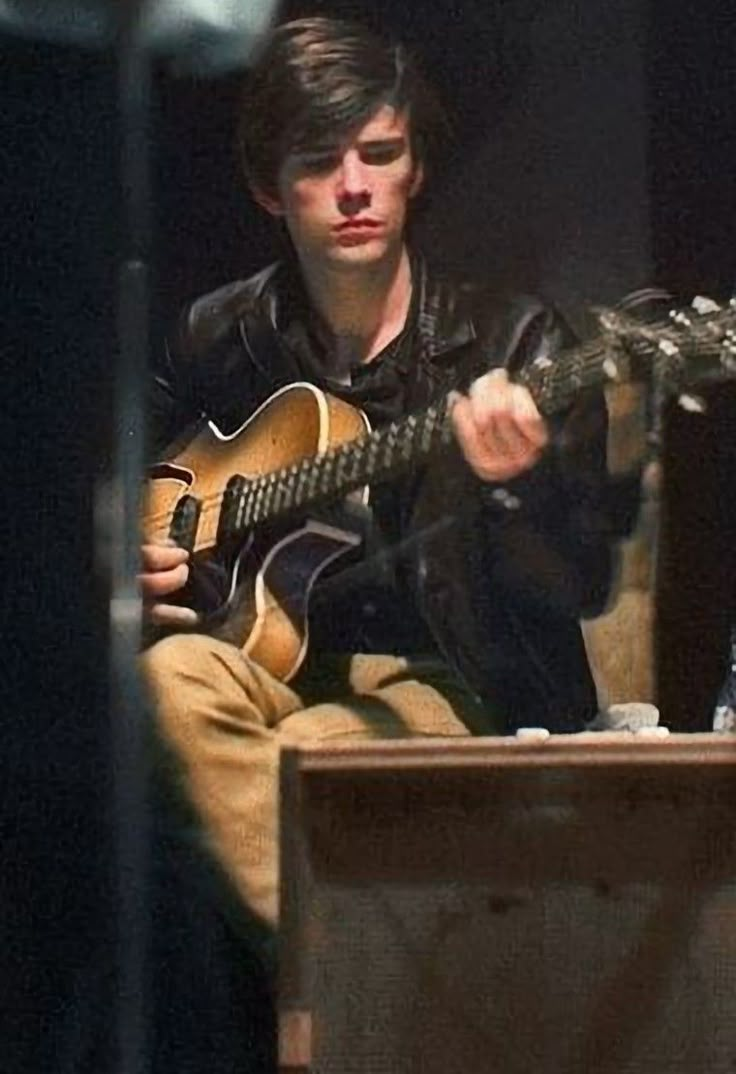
[165, 571]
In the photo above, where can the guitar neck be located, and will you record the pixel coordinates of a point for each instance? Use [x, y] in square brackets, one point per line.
[386, 452]
[627, 352]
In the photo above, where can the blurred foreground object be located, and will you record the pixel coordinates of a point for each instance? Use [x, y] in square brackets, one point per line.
[202, 37]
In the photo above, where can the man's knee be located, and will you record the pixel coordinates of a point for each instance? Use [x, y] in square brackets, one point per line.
[177, 671]
[204, 691]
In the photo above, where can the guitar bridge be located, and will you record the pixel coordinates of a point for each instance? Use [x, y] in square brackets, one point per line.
[231, 521]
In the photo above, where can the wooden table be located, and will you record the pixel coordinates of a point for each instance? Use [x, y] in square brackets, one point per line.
[563, 905]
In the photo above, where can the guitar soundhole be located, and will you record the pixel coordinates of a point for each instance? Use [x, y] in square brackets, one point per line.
[166, 471]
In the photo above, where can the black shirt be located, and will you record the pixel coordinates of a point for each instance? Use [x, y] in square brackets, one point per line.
[364, 604]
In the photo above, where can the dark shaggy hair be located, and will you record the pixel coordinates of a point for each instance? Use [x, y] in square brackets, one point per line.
[319, 79]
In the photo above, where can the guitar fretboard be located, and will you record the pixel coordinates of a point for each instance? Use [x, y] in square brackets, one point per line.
[375, 456]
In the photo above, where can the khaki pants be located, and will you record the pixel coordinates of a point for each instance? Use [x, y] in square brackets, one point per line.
[225, 719]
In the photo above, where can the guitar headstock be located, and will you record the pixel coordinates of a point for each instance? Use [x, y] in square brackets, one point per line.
[692, 346]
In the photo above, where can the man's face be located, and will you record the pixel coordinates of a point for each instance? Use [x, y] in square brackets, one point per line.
[346, 204]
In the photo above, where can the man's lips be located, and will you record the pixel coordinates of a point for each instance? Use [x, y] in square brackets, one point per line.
[361, 224]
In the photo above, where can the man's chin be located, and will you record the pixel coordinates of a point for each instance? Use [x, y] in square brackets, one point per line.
[363, 253]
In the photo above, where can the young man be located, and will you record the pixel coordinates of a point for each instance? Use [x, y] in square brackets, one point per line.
[500, 543]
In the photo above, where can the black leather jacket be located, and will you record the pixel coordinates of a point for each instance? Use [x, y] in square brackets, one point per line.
[503, 581]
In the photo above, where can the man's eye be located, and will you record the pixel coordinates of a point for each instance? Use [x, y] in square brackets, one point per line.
[382, 154]
[317, 162]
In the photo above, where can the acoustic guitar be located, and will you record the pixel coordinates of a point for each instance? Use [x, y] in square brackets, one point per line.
[250, 505]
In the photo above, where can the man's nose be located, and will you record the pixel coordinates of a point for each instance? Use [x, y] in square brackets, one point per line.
[353, 189]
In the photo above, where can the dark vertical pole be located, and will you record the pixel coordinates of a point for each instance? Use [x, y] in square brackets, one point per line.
[692, 167]
[128, 707]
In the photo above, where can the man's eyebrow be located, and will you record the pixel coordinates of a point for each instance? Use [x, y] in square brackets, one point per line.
[314, 148]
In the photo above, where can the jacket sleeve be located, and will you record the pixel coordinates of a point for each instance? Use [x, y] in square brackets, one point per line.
[203, 370]
[172, 403]
[552, 532]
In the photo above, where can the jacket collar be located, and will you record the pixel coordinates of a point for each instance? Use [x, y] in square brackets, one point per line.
[441, 312]
[444, 321]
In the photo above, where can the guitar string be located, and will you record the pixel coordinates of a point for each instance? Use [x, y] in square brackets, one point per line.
[354, 447]
[215, 499]
[431, 418]
[554, 383]
[551, 380]
[278, 480]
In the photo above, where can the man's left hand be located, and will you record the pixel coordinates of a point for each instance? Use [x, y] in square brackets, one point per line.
[500, 431]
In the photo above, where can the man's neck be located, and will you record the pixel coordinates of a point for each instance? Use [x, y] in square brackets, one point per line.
[363, 309]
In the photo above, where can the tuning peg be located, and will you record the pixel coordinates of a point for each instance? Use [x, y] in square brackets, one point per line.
[704, 305]
[693, 404]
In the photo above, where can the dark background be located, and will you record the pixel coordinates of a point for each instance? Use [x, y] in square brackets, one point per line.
[594, 151]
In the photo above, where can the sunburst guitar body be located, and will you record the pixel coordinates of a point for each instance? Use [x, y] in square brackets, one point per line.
[268, 569]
